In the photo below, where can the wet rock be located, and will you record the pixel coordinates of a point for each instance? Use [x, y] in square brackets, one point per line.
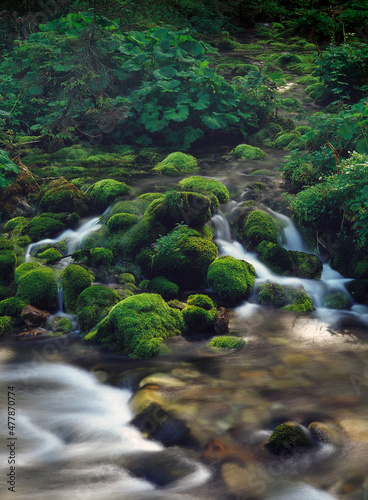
[32, 316]
[243, 480]
[33, 333]
[219, 450]
[161, 425]
[288, 439]
[222, 321]
[327, 432]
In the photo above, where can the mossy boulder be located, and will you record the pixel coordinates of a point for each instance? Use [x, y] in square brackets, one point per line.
[284, 297]
[5, 324]
[258, 226]
[200, 184]
[100, 257]
[142, 234]
[121, 222]
[226, 342]
[199, 319]
[164, 287]
[62, 196]
[136, 207]
[74, 280]
[184, 257]
[266, 135]
[201, 300]
[94, 304]
[40, 228]
[16, 224]
[12, 307]
[288, 438]
[231, 279]
[8, 262]
[177, 163]
[138, 325]
[247, 152]
[5, 243]
[38, 287]
[190, 208]
[288, 60]
[289, 262]
[24, 268]
[103, 193]
[336, 300]
[50, 255]
[283, 141]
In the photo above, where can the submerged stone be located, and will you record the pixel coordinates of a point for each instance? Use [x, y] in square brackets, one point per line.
[288, 439]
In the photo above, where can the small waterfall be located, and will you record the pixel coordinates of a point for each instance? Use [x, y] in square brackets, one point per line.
[222, 227]
[60, 299]
[293, 239]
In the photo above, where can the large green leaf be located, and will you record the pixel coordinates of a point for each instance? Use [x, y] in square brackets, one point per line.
[203, 101]
[168, 85]
[178, 115]
[362, 146]
[165, 72]
[192, 134]
[193, 48]
[215, 121]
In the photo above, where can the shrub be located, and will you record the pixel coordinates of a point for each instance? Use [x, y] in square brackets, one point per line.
[203, 185]
[93, 304]
[12, 306]
[8, 262]
[74, 280]
[247, 152]
[287, 438]
[104, 192]
[38, 287]
[164, 287]
[226, 342]
[5, 324]
[177, 163]
[231, 279]
[138, 325]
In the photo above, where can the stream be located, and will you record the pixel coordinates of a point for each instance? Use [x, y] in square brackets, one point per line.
[74, 403]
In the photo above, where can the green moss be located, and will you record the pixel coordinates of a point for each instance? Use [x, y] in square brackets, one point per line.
[266, 135]
[231, 279]
[40, 228]
[65, 325]
[308, 80]
[284, 297]
[144, 233]
[336, 300]
[139, 324]
[135, 207]
[193, 209]
[226, 342]
[62, 196]
[177, 163]
[184, 257]
[15, 224]
[287, 438]
[73, 153]
[259, 226]
[197, 318]
[121, 222]
[283, 140]
[100, 257]
[202, 185]
[5, 244]
[50, 254]
[317, 91]
[127, 278]
[289, 262]
[94, 304]
[303, 129]
[151, 196]
[12, 306]
[288, 60]
[5, 324]
[200, 300]
[166, 288]
[23, 269]
[38, 287]
[74, 280]
[22, 241]
[247, 152]
[261, 172]
[8, 262]
[104, 192]
[289, 104]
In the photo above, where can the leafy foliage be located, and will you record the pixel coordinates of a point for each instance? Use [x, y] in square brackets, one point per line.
[8, 169]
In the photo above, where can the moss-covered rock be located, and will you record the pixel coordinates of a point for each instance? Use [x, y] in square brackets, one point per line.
[62, 196]
[164, 287]
[5, 243]
[231, 279]
[199, 319]
[16, 224]
[127, 279]
[183, 256]
[8, 262]
[139, 324]
[40, 228]
[202, 185]
[103, 193]
[136, 207]
[266, 135]
[94, 304]
[289, 262]
[177, 163]
[287, 60]
[24, 268]
[122, 222]
[201, 300]
[336, 300]
[193, 209]
[287, 438]
[38, 287]
[284, 297]
[226, 342]
[50, 255]
[283, 141]
[247, 152]
[12, 306]
[143, 234]
[5, 324]
[257, 227]
[74, 280]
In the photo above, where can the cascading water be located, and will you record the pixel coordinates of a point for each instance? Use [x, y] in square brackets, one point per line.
[331, 281]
